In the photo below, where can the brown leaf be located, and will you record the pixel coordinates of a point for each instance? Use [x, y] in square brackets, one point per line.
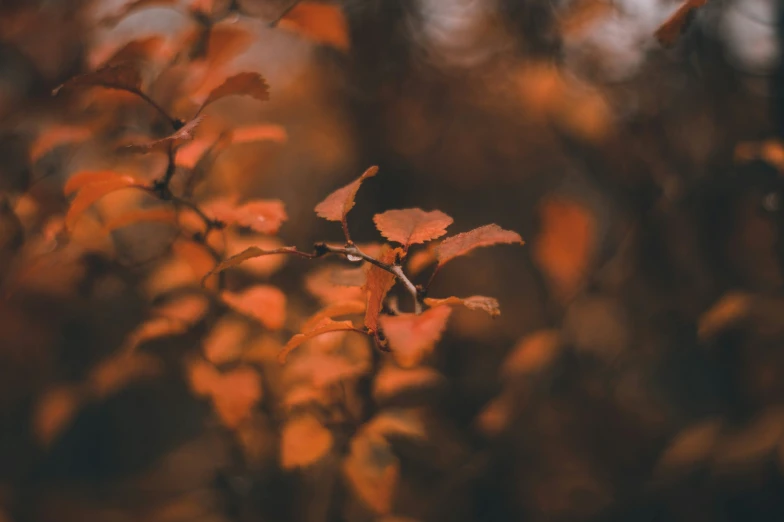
[533, 353]
[175, 140]
[691, 447]
[372, 471]
[187, 309]
[141, 215]
[337, 205]
[92, 193]
[677, 24]
[327, 325]
[412, 337]
[461, 244]
[566, 244]
[263, 302]
[322, 23]
[124, 77]
[116, 372]
[248, 253]
[54, 411]
[243, 84]
[411, 226]
[196, 255]
[729, 311]
[379, 283]
[265, 216]
[475, 302]
[81, 179]
[139, 50]
[303, 441]
[261, 266]
[233, 393]
[332, 311]
[154, 328]
[54, 136]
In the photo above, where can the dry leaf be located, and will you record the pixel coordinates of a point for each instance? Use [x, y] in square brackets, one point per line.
[412, 337]
[475, 302]
[533, 353]
[154, 328]
[396, 422]
[337, 205]
[165, 215]
[677, 24]
[124, 76]
[196, 255]
[373, 472]
[88, 195]
[322, 23]
[303, 441]
[243, 84]
[411, 226]
[462, 244]
[379, 283]
[187, 309]
[263, 302]
[566, 244]
[54, 412]
[259, 132]
[326, 326]
[264, 216]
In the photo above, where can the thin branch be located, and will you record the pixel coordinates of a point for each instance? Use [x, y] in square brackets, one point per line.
[283, 13]
[174, 122]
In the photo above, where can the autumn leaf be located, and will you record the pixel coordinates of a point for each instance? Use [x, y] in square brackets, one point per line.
[124, 77]
[174, 140]
[225, 340]
[462, 244]
[134, 5]
[165, 215]
[677, 24]
[260, 266]
[332, 284]
[533, 353]
[412, 337]
[54, 136]
[475, 302]
[117, 371]
[265, 303]
[325, 370]
[326, 326]
[82, 179]
[565, 246]
[391, 381]
[243, 84]
[322, 23]
[303, 441]
[693, 446]
[411, 226]
[732, 309]
[379, 283]
[332, 311]
[260, 132]
[396, 422]
[337, 205]
[196, 255]
[139, 50]
[187, 308]
[372, 470]
[91, 193]
[248, 253]
[421, 259]
[265, 216]
[233, 393]
[55, 411]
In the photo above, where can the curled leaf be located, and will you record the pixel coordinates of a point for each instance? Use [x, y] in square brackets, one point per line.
[462, 244]
[141, 215]
[303, 441]
[475, 302]
[322, 23]
[263, 302]
[412, 225]
[243, 84]
[337, 205]
[326, 326]
[412, 337]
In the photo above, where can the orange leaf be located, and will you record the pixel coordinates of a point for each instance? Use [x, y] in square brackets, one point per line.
[412, 337]
[187, 309]
[243, 84]
[565, 245]
[338, 204]
[235, 395]
[412, 225]
[248, 253]
[332, 284]
[189, 154]
[225, 341]
[533, 353]
[263, 302]
[196, 255]
[140, 50]
[139, 215]
[475, 302]
[260, 266]
[82, 179]
[669, 32]
[392, 381]
[203, 378]
[373, 471]
[116, 372]
[326, 326]
[56, 135]
[326, 370]
[379, 283]
[462, 244]
[303, 441]
[334, 310]
[265, 216]
[90, 194]
[55, 411]
[322, 23]
[261, 132]
[178, 138]
[124, 76]
[421, 259]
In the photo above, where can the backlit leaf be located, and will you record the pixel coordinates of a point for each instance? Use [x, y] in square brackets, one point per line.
[90, 194]
[123, 76]
[322, 23]
[332, 311]
[265, 216]
[248, 253]
[475, 302]
[421, 259]
[328, 325]
[243, 84]
[669, 32]
[324, 370]
[303, 441]
[82, 179]
[411, 226]
[412, 337]
[263, 302]
[166, 215]
[338, 204]
[260, 132]
[335, 283]
[379, 283]
[462, 244]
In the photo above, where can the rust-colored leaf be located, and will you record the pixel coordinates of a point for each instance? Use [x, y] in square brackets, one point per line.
[337, 205]
[327, 325]
[372, 470]
[332, 311]
[248, 253]
[412, 337]
[196, 255]
[691, 447]
[475, 302]
[243, 84]
[265, 216]
[139, 50]
[532, 353]
[175, 140]
[90, 194]
[421, 259]
[81, 179]
[260, 132]
[379, 283]
[322, 23]
[166, 215]
[729, 311]
[116, 372]
[53, 136]
[325, 370]
[565, 246]
[412, 225]
[392, 381]
[332, 284]
[677, 24]
[186, 309]
[303, 441]
[55, 411]
[263, 302]
[122, 76]
[462, 244]
[225, 340]
[261, 266]
[233, 394]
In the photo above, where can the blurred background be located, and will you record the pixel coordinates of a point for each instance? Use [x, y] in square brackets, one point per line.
[636, 371]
